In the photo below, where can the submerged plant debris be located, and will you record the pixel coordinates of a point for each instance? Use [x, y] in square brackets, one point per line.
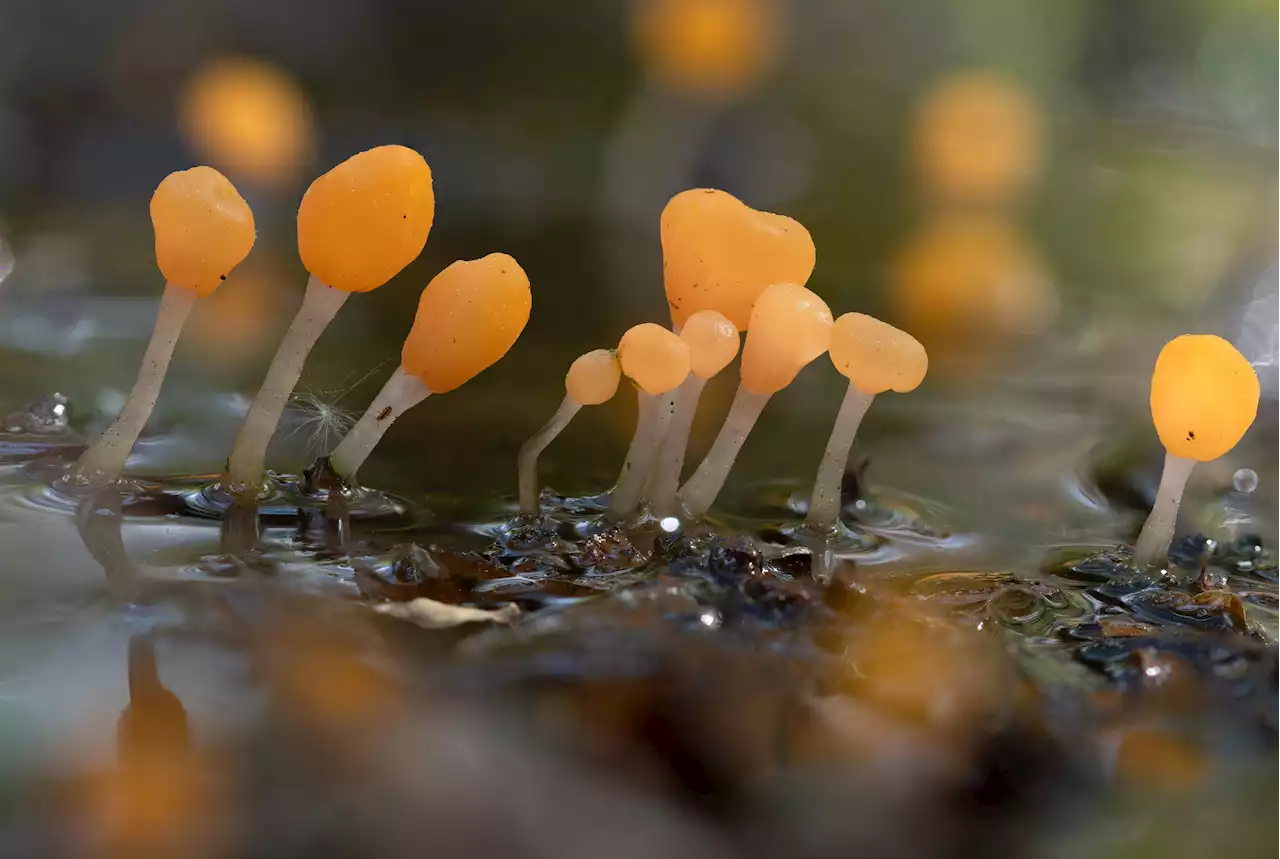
[736, 687]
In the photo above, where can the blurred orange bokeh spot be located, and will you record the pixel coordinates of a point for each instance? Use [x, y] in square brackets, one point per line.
[706, 46]
[977, 137]
[250, 119]
[968, 283]
[1155, 759]
[244, 319]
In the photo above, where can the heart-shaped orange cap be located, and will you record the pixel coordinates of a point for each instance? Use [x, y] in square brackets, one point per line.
[875, 356]
[719, 254]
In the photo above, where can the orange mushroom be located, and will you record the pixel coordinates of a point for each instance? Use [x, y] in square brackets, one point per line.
[790, 327]
[1204, 397]
[875, 357]
[657, 361]
[592, 379]
[204, 229]
[468, 317]
[358, 226]
[713, 342]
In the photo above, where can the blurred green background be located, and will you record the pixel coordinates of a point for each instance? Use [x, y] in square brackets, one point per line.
[1119, 160]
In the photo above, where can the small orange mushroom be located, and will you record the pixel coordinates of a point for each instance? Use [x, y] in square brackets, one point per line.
[713, 342]
[1204, 397]
[204, 229]
[469, 316]
[358, 226]
[790, 327]
[875, 357]
[592, 379]
[657, 361]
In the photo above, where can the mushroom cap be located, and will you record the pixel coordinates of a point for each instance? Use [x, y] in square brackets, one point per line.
[719, 254]
[713, 342]
[875, 356]
[1204, 396]
[593, 378]
[366, 219]
[790, 326]
[469, 315]
[203, 227]
[653, 357]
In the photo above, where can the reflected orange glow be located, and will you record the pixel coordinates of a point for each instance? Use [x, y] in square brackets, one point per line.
[977, 137]
[1156, 759]
[967, 284]
[249, 118]
[923, 670]
[155, 806]
[706, 46]
[321, 684]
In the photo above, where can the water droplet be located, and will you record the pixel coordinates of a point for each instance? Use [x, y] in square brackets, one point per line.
[1245, 480]
[669, 524]
[110, 401]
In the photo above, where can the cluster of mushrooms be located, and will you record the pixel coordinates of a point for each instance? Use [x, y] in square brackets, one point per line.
[728, 269]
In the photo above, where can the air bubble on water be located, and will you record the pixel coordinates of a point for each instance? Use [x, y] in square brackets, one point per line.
[110, 401]
[1245, 480]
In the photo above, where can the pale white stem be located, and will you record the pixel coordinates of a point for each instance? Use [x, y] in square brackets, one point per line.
[664, 477]
[700, 491]
[401, 393]
[249, 453]
[1157, 533]
[654, 415]
[824, 506]
[533, 448]
[105, 458]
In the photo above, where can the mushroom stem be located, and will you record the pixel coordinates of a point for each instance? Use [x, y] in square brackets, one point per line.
[651, 423]
[249, 453]
[700, 491]
[664, 478]
[1157, 533]
[528, 460]
[105, 458]
[401, 393]
[824, 506]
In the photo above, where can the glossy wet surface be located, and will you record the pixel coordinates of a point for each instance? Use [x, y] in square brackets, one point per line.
[706, 667]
